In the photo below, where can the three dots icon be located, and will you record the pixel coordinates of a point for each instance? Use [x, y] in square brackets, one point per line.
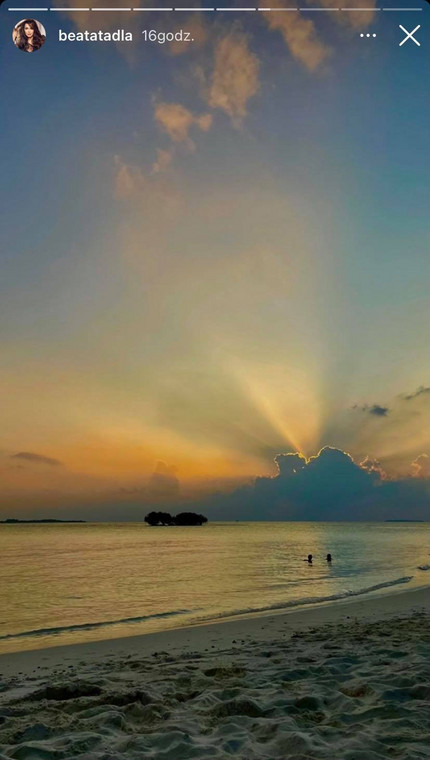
[367, 35]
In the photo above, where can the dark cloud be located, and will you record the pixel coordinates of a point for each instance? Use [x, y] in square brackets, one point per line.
[329, 486]
[29, 456]
[289, 464]
[379, 411]
[421, 391]
[376, 409]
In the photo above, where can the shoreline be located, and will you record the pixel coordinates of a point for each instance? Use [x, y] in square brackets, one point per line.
[348, 680]
[262, 627]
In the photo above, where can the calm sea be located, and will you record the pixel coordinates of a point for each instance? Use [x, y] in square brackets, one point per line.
[64, 584]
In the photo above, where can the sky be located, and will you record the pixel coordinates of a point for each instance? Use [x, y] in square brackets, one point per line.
[212, 254]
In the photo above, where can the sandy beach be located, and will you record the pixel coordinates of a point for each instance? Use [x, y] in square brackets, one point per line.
[349, 680]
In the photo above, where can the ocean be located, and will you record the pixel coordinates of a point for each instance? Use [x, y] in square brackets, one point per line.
[70, 583]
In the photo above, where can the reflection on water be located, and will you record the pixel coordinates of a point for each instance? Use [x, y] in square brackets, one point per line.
[69, 583]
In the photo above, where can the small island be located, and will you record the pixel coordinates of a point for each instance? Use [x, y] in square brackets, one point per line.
[184, 518]
[14, 521]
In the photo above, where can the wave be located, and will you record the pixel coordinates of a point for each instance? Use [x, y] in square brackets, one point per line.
[91, 626]
[313, 599]
[222, 615]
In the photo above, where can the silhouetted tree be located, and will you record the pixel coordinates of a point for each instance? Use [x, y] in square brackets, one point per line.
[152, 518]
[184, 518]
[189, 518]
[159, 518]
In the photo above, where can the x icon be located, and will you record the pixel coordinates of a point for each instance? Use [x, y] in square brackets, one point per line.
[409, 35]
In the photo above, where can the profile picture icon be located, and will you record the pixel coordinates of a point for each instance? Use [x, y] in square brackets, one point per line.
[29, 35]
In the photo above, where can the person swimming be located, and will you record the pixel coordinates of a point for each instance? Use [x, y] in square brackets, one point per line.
[309, 559]
[328, 558]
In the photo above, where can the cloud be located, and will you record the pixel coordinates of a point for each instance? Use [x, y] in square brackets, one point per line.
[421, 391]
[29, 456]
[289, 464]
[235, 77]
[328, 486]
[420, 467]
[375, 409]
[373, 465]
[300, 37]
[378, 411]
[132, 181]
[177, 121]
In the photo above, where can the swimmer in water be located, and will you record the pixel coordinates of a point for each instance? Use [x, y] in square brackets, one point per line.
[328, 558]
[309, 559]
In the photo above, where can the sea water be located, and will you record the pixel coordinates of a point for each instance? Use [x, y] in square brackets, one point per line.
[69, 583]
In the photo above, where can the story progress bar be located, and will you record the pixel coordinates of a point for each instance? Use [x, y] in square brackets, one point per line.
[216, 10]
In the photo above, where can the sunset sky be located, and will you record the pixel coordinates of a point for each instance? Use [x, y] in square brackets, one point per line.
[211, 254]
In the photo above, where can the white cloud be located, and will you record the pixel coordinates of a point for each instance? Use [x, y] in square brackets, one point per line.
[177, 121]
[300, 37]
[235, 78]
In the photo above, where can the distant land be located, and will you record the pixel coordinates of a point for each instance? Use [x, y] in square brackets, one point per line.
[13, 520]
[405, 521]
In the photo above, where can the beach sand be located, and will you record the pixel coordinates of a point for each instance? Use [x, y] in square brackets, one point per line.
[348, 681]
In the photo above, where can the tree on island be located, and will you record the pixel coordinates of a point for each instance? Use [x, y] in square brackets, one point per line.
[189, 518]
[158, 518]
[184, 518]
